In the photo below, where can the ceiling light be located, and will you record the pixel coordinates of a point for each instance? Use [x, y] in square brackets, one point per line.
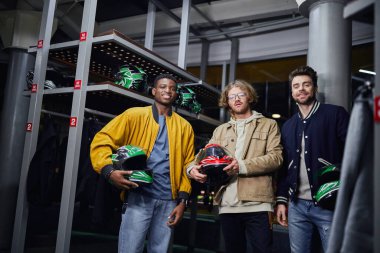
[367, 72]
[276, 115]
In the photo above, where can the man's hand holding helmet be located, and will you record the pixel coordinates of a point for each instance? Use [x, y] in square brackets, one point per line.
[119, 179]
[214, 164]
[197, 175]
[233, 168]
[130, 168]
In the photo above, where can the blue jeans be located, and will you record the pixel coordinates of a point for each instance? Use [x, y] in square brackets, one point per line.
[143, 218]
[303, 216]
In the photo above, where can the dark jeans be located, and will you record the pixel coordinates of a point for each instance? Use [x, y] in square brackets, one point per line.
[246, 232]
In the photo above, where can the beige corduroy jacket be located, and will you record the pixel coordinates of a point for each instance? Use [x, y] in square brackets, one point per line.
[262, 156]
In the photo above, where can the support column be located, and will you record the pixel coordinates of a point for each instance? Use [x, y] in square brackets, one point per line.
[376, 164]
[234, 58]
[222, 111]
[204, 59]
[184, 36]
[12, 124]
[150, 24]
[329, 49]
[45, 24]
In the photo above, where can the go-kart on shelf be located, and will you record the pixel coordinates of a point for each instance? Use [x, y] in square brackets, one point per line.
[112, 50]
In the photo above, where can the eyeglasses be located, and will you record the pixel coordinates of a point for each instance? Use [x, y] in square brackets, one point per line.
[238, 95]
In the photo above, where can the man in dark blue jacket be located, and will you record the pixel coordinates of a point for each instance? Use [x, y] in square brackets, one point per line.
[317, 131]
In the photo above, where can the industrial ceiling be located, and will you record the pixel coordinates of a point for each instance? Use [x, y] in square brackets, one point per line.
[210, 20]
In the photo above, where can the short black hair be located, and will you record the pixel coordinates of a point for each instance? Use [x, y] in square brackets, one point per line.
[304, 71]
[162, 76]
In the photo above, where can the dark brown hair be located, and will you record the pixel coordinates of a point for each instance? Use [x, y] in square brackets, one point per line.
[304, 71]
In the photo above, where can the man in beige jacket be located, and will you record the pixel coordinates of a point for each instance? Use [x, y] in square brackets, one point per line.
[247, 199]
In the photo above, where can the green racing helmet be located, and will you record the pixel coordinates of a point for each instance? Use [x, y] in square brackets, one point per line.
[131, 77]
[141, 176]
[328, 181]
[133, 158]
[327, 194]
[328, 173]
[187, 99]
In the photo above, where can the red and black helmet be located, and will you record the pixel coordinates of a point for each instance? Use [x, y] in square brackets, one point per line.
[213, 159]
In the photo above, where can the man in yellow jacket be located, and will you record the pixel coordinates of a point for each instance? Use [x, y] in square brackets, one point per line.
[247, 199]
[150, 210]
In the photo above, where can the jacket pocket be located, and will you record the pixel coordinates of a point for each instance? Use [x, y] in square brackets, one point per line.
[260, 135]
[258, 144]
[228, 142]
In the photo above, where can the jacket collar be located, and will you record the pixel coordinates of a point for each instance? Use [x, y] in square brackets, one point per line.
[254, 120]
[312, 111]
[155, 112]
[256, 116]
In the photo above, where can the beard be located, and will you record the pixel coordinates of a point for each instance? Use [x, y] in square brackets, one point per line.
[240, 111]
[308, 101]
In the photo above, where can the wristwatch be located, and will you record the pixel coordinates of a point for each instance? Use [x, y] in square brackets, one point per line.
[182, 200]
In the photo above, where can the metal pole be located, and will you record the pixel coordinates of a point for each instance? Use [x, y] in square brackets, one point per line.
[76, 126]
[266, 96]
[376, 150]
[222, 111]
[204, 59]
[290, 111]
[234, 58]
[330, 35]
[192, 225]
[184, 36]
[150, 24]
[94, 112]
[14, 114]
[19, 229]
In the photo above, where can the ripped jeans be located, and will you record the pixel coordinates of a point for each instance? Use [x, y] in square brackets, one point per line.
[303, 216]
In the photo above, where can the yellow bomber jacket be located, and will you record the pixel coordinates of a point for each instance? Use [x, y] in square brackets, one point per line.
[139, 126]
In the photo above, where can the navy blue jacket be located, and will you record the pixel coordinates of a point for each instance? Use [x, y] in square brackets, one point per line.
[325, 130]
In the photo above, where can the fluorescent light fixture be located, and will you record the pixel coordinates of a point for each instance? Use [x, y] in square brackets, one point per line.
[276, 115]
[367, 72]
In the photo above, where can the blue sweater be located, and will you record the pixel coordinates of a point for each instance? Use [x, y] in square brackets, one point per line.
[325, 130]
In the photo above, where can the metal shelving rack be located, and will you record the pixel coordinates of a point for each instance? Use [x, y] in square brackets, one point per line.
[113, 50]
[89, 56]
[110, 92]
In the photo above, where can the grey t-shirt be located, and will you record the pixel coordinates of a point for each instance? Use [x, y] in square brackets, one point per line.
[304, 191]
[159, 162]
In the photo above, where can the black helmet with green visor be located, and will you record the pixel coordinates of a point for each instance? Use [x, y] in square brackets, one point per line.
[133, 158]
[329, 183]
